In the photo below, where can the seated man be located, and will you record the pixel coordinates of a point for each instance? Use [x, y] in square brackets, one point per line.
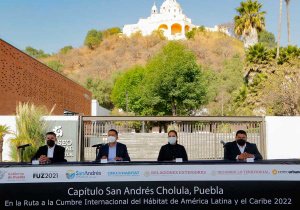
[240, 149]
[50, 153]
[113, 150]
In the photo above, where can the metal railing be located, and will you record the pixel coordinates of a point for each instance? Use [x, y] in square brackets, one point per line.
[203, 137]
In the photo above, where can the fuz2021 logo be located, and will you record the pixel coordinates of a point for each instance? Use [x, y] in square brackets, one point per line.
[45, 175]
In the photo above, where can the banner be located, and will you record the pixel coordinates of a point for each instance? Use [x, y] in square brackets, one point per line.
[151, 187]
[147, 195]
[130, 172]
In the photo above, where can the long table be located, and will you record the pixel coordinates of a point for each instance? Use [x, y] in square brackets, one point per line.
[151, 185]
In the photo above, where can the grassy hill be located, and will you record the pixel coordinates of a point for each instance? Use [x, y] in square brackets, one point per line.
[251, 82]
[220, 56]
[118, 53]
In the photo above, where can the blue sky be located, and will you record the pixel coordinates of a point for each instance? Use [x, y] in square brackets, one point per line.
[52, 24]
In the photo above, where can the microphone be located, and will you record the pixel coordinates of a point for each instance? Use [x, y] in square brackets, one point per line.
[97, 145]
[222, 142]
[23, 146]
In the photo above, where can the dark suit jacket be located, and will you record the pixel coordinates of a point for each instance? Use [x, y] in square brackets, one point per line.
[121, 152]
[170, 152]
[58, 154]
[231, 150]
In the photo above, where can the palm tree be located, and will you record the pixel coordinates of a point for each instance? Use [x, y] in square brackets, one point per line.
[3, 131]
[279, 29]
[287, 2]
[249, 21]
[258, 54]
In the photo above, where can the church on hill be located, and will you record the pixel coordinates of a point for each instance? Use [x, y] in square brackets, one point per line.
[169, 19]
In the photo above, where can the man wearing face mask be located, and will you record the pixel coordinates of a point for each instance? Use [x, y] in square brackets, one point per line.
[240, 149]
[172, 150]
[113, 150]
[50, 153]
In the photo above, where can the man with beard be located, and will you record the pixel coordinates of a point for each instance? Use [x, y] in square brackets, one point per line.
[50, 153]
[240, 149]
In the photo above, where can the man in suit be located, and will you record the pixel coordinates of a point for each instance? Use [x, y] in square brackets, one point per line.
[240, 149]
[50, 153]
[113, 150]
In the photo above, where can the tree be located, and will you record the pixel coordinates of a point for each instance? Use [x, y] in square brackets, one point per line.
[249, 21]
[55, 65]
[279, 29]
[35, 53]
[258, 54]
[111, 31]
[93, 39]
[65, 49]
[101, 90]
[3, 131]
[281, 94]
[173, 83]
[272, 87]
[170, 84]
[158, 34]
[287, 2]
[127, 93]
[191, 34]
[223, 85]
[267, 39]
[288, 53]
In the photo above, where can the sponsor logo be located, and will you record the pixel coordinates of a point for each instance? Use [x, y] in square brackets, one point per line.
[123, 173]
[72, 174]
[241, 172]
[15, 176]
[2, 173]
[45, 175]
[185, 172]
[291, 172]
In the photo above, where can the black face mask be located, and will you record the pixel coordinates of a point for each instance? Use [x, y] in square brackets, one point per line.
[50, 143]
[241, 142]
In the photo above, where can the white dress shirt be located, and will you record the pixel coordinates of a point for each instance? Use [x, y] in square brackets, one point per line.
[112, 153]
[241, 148]
[50, 152]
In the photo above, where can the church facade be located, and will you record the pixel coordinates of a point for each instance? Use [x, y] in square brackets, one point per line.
[169, 19]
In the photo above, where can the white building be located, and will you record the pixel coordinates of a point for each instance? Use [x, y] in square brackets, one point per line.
[98, 110]
[170, 19]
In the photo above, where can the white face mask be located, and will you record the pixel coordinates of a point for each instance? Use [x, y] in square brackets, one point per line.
[111, 139]
[172, 140]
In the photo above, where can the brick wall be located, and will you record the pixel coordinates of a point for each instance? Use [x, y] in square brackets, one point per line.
[23, 79]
